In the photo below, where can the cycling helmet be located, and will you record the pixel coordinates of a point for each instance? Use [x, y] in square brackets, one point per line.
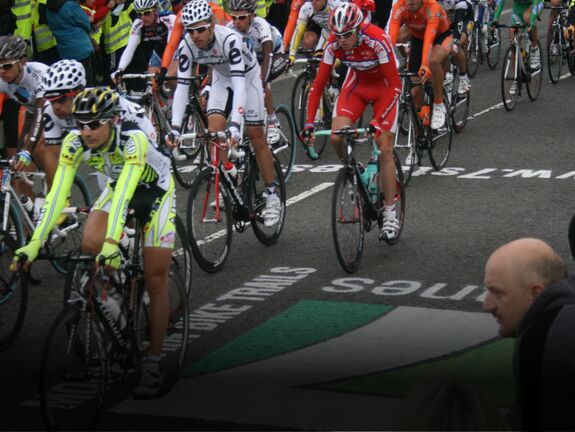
[12, 47]
[248, 5]
[143, 5]
[196, 11]
[98, 103]
[345, 18]
[63, 76]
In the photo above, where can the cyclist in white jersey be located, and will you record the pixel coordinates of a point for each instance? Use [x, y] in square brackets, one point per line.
[265, 40]
[235, 76]
[20, 80]
[318, 11]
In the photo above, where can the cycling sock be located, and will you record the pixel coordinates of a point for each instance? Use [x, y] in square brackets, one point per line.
[270, 189]
[437, 101]
[271, 118]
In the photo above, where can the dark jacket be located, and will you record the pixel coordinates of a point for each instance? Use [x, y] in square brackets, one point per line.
[7, 18]
[71, 28]
[544, 361]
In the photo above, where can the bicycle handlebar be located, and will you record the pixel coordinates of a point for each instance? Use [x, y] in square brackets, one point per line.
[342, 131]
[205, 134]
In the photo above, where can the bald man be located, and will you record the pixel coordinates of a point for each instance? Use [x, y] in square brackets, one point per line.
[529, 295]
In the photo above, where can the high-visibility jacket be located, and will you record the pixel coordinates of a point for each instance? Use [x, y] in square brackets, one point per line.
[42, 33]
[116, 35]
[260, 7]
[23, 11]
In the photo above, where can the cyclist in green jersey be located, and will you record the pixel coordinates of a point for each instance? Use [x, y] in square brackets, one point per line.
[525, 12]
[139, 178]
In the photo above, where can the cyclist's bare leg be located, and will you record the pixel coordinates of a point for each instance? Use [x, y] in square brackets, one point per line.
[438, 56]
[337, 141]
[94, 232]
[532, 32]
[387, 166]
[263, 152]
[268, 100]
[156, 270]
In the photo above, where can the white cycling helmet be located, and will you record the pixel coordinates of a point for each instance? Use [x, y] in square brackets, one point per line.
[345, 18]
[195, 12]
[143, 5]
[65, 75]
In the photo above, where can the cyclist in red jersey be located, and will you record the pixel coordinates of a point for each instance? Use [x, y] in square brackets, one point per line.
[372, 79]
[431, 43]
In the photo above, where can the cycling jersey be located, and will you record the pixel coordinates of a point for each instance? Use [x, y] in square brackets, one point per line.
[233, 63]
[220, 17]
[427, 23]
[55, 128]
[519, 8]
[259, 32]
[147, 42]
[132, 164]
[372, 78]
[29, 88]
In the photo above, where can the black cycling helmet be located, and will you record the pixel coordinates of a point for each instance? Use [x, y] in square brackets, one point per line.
[98, 103]
[248, 5]
[12, 47]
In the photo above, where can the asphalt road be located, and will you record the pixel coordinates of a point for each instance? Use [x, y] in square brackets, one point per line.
[302, 344]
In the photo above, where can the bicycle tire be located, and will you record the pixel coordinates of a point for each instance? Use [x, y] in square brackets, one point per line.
[189, 153]
[175, 346]
[473, 52]
[297, 101]
[257, 202]
[182, 254]
[399, 199]
[320, 142]
[439, 151]
[210, 238]
[404, 145]
[348, 242]
[507, 79]
[13, 293]
[80, 197]
[534, 79]
[285, 149]
[494, 47]
[73, 372]
[554, 60]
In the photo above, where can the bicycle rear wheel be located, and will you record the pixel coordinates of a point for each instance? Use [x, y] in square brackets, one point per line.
[441, 141]
[510, 79]
[257, 203]
[534, 78]
[555, 55]
[209, 225]
[284, 150]
[182, 255]
[347, 219]
[473, 52]
[459, 107]
[72, 372]
[571, 57]
[13, 293]
[404, 145]
[72, 225]
[493, 47]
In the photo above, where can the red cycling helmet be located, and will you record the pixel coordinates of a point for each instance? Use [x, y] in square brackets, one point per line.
[345, 18]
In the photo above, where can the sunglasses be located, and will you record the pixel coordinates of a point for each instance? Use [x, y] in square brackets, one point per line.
[92, 124]
[198, 30]
[61, 98]
[239, 17]
[344, 35]
[146, 13]
[8, 66]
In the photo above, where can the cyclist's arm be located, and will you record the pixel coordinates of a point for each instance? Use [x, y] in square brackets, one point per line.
[429, 38]
[322, 41]
[291, 23]
[321, 78]
[498, 9]
[394, 25]
[183, 88]
[70, 158]
[267, 52]
[303, 16]
[536, 6]
[173, 42]
[134, 165]
[133, 43]
[35, 126]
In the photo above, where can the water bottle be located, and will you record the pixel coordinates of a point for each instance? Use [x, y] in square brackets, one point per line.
[372, 169]
[363, 174]
[27, 203]
[112, 306]
[232, 172]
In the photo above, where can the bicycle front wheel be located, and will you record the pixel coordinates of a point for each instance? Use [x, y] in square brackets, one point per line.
[534, 79]
[398, 199]
[72, 372]
[257, 203]
[555, 55]
[182, 255]
[347, 220]
[13, 293]
[72, 225]
[284, 148]
[473, 53]
[510, 80]
[460, 107]
[441, 141]
[209, 222]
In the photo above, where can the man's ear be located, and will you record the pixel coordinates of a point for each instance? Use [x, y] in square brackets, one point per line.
[536, 289]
